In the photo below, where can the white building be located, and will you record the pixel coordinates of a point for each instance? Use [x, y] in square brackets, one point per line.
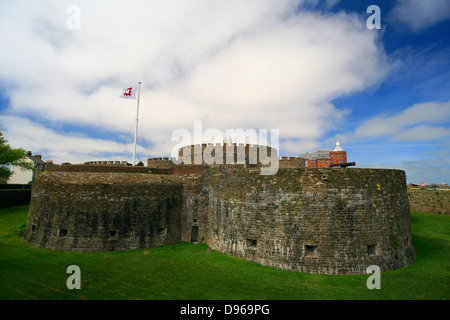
[22, 176]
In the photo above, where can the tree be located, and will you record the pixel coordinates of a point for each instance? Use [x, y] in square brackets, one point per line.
[140, 164]
[11, 157]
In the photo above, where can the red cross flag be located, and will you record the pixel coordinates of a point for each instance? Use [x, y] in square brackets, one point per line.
[129, 93]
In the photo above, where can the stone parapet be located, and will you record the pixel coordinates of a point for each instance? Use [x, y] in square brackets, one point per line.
[330, 221]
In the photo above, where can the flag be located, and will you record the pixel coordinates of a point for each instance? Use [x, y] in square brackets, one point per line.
[129, 93]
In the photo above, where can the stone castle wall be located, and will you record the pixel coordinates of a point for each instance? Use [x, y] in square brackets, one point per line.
[104, 211]
[99, 168]
[159, 163]
[433, 201]
[331, 220]
[227, 154]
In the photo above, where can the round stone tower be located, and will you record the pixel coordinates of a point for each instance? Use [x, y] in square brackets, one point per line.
[315, 220]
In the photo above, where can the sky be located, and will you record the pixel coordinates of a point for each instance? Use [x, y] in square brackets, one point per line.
[317, 71]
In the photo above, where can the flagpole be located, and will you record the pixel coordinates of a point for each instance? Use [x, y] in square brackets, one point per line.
[136, 128]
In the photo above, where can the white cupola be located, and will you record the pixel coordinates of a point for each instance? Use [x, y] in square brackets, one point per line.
[338, 147]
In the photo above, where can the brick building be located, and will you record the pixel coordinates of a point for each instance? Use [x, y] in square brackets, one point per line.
[324, 157]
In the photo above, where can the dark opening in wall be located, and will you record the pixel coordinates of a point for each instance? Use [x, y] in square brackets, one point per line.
[194, 235]
[251, 242]
[195, 220]
[371, 250]
[161, 232]
[62, 233]
[33, 228]
[310, 251]
[113, 233]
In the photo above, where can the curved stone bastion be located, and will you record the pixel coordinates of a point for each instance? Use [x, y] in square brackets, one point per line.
[328, 220]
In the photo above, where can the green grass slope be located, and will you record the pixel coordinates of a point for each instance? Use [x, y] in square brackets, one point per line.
[195, 272]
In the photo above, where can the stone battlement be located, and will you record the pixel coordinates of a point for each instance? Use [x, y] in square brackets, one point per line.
[157, 163]
[109, 163]
[233, 153]
[292, 162]
[283, 162]
[227, 154]
[316, 220]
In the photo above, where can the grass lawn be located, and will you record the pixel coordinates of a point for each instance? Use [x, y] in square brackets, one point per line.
[195, 272]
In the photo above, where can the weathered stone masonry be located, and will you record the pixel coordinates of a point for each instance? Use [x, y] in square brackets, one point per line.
[312, 220]
[104, 211]
[432, 201]
[330, 220]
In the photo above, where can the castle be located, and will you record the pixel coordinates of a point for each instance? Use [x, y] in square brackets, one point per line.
[315, 220]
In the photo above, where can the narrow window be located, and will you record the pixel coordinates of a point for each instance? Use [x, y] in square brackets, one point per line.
[371, 250]
[33, 228]
[62, 233]
[194, 234]
[113, 233]
[161, 232]
[252, 242]
[310, 251]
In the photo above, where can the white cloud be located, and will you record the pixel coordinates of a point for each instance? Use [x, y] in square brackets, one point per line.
[293, 148]
[427, 170]
[412, 124]
[232, 64]
[62, 147]
[423, 133]
[419, 14]
[420, 133]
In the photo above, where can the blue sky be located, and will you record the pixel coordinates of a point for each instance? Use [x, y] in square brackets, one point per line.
[310, 69]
